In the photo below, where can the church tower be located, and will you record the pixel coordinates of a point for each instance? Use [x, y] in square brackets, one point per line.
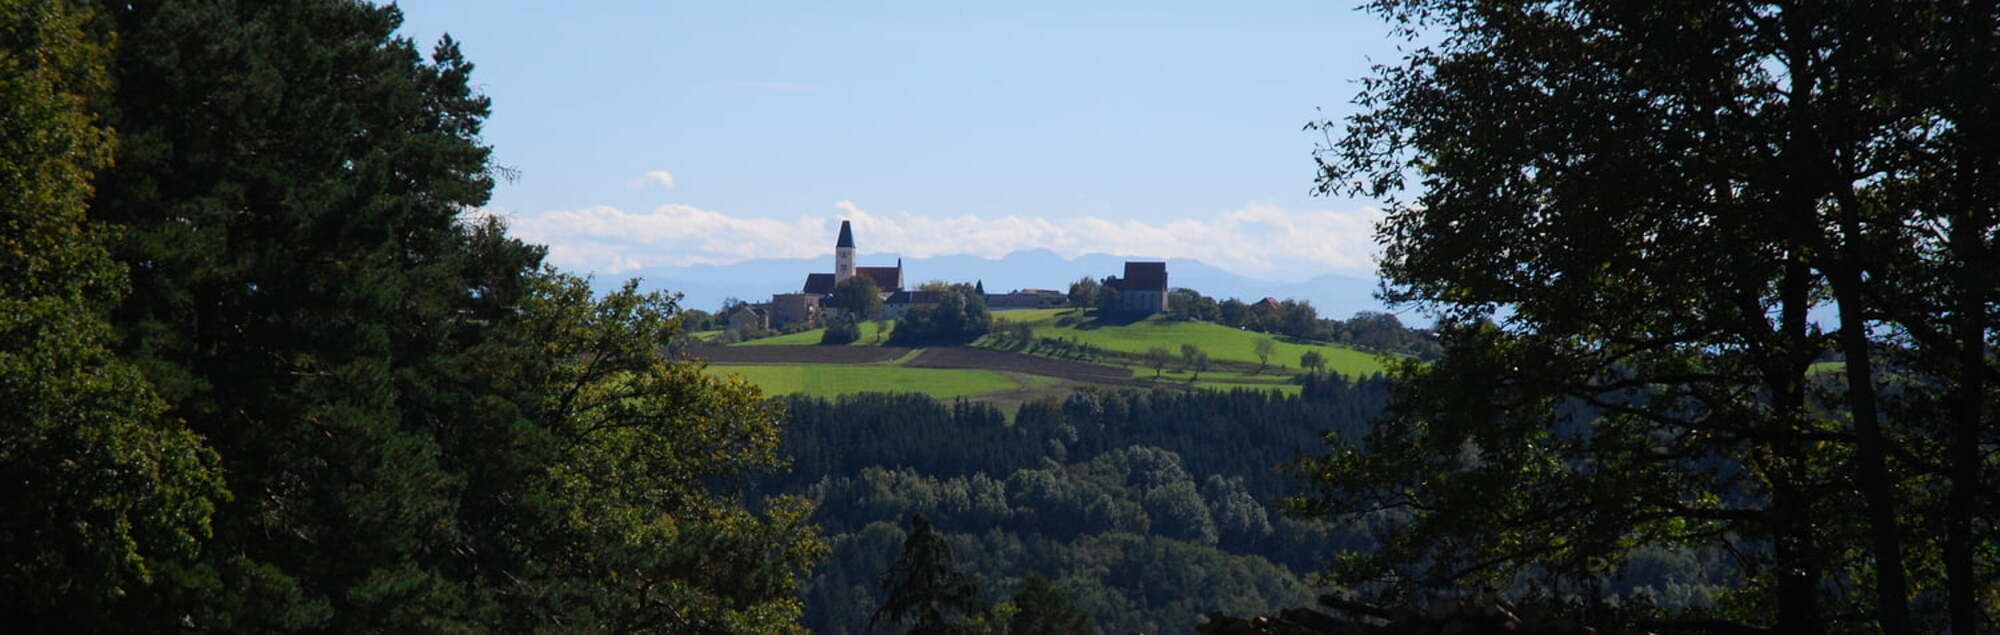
[843, 254]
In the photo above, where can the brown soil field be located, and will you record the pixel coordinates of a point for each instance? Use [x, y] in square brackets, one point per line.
[956, 357]
[796, 354]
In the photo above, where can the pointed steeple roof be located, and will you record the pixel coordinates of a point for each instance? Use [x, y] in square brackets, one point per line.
[846, 236]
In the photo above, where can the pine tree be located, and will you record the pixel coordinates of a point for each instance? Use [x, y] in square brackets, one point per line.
[925, 587]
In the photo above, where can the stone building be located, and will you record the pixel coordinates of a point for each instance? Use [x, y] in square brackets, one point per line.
[1143, 288]
[888, 279]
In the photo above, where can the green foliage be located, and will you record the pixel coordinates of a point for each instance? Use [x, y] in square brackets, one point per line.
[925, 588]
[1152, 509]
[858, 298]
[871, 333]
[655, 546]
[1110, 301]
[423, 431]
[1157, 357]
[103, 488]
[1223, 344]
[1043, 609]
[840, 331]
[959, 317]
[1312, 361]
[833, 380]
[1083, 293]
[1660, 197]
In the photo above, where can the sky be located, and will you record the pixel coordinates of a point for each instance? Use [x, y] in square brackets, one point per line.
[663, 134]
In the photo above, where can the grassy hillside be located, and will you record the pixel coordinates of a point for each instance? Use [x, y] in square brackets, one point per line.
[830, 380]
[1222, 343]
[811, 338]
[1234, 348]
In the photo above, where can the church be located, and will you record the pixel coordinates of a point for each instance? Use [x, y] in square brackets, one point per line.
[1143, 290]
[888, 279]
[811, 300]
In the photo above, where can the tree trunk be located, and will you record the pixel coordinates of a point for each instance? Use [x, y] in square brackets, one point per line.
[1968, 244]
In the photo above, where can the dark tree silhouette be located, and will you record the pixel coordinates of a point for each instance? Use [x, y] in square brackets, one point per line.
[1046, 610]
[924, 586]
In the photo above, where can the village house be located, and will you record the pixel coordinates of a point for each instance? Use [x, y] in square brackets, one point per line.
[815, 297]
[1143, 290]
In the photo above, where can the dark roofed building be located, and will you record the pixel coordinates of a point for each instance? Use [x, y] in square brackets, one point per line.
[818, 284]
[1144, 287]
[888, 279]
[916, 297]
[1144, 276]
[900, 302]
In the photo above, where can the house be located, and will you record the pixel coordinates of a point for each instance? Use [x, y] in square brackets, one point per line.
[749, 317]
[793, 308]
[900, 302]
[1143, 288]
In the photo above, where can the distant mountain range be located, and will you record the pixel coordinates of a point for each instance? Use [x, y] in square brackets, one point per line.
[706, 286]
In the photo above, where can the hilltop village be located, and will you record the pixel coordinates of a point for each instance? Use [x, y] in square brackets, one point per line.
[1142, 290]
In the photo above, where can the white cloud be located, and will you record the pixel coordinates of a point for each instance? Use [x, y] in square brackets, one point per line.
[1258, 240]
[661, 178]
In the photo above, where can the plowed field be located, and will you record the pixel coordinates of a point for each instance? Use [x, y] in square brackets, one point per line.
[955, 357]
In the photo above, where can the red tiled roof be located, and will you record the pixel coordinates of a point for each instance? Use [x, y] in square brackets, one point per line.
[1144, 276]
[886, 278]
[819, 283]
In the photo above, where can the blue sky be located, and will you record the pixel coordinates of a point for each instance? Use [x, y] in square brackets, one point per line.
[1136, 129]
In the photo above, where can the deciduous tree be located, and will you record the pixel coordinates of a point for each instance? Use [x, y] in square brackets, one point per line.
[1157, 357]
[1659, 196]
[103, 487]
[859, 298]
[1312, 361]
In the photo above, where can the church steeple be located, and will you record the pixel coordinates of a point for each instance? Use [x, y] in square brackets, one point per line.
[843, 254]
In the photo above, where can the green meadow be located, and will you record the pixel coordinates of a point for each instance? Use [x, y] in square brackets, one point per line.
[829, 380]
[870, 336]
[1235, 348]
[1222, 343]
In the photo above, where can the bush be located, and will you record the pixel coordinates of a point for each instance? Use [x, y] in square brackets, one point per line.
[840, 332]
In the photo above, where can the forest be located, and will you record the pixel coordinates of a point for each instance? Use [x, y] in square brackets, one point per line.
[267, 367]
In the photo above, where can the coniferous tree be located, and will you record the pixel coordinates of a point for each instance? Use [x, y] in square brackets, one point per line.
[422, 429]
[925, 587]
